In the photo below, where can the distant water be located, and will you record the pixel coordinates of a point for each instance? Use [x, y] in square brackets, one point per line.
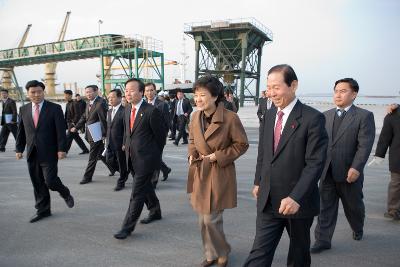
[360, 100]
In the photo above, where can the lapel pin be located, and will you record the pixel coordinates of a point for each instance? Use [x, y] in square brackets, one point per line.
[293, 126]
[141, 114]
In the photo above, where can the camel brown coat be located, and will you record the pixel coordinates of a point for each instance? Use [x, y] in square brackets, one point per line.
[213, 184]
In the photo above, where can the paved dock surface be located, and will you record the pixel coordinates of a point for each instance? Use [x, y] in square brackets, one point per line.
[83, 235]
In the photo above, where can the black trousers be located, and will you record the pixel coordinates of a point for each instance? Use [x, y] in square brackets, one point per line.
[182, 120]
[5, 132]
[44, 177]
[96, 149]
[353, 205]
[269, 229]
[174, 123]
[142, 193]
[120, 160]
[75, 136]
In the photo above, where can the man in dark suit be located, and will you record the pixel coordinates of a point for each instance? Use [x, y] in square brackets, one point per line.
[229, 102]
[80, 108]
[9, 110]
[71, 119]
[264, 104]
[172, 118]
[115, 136]
[143, 146]
[351, 132]
[151, 98]
[291, 156]
[390, 138]
[182, 109]
[41, 129]
[96, 111]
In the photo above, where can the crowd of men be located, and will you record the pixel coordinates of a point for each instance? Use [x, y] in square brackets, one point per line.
[331, 147]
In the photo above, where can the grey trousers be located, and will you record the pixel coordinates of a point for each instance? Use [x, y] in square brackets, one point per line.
[393, 204]
[212, 234]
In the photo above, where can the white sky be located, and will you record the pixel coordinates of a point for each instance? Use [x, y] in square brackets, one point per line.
[323, 40]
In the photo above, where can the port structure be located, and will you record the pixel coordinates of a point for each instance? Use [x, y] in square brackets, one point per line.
[139, 57]
[232, 50]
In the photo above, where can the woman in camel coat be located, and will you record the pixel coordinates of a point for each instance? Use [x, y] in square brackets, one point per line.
[216, 139]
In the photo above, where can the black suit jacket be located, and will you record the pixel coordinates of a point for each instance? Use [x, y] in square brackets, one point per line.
[390, 137]
[79, 108]
[115, 129]
[262, 108]
[164, 109]
[352, 144]
[294, 169]
[69, 114]
[98, 112]
[144, 144]
[49, 136]
[9, 107]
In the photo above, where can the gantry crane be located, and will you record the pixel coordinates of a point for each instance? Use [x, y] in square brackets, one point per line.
[8, 73]
[50, 68]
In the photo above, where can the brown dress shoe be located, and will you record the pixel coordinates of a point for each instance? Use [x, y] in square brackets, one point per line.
[207, 263]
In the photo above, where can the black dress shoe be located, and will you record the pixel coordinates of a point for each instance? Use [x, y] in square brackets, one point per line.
[175, 143]
[171, 138]
[85, 181]
[84, 152]
[318, 248]
[122, 234]
[69, 200]
[165, 174]
[111, 173]
[119, 187]
[150, 218]
[38, 217]
[358, 235]
[3, 150]
[184, 142]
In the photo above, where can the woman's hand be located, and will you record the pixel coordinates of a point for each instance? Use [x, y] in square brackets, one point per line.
[190, 159]
[211, 157]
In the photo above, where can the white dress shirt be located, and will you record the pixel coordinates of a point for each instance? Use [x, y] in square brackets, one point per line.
[286, 112]
[345, 109]
[153, 102]
[114, 111]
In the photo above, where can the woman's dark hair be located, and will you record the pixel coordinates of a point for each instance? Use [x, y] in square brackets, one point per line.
[288, 73]
[353, 83]
[212, 84]
[141, 84]
[34, 83]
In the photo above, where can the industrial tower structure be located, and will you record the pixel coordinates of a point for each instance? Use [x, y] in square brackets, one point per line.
[231, 50]
[50, 68]
[8, 77]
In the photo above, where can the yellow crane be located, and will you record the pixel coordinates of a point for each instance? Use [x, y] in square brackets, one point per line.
[7, 73]
[50, 68]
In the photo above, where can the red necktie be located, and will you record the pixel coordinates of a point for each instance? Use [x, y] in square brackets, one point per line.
[36, 115]
[278, 130]
[132, 120]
